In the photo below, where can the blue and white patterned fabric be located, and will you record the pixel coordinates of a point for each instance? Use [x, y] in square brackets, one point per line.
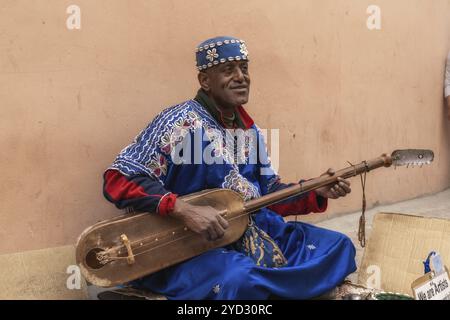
[151, 153]
[316, 259]
[220, 50]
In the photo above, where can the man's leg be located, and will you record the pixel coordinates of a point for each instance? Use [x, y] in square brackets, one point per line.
[217, 274]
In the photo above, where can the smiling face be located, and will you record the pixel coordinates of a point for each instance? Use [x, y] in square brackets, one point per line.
[228, 84]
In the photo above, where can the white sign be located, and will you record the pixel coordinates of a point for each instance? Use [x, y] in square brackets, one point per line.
[438, 288]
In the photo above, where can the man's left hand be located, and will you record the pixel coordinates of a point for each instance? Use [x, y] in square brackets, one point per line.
[334, 191]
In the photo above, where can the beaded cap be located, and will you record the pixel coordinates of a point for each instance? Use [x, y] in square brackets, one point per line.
[220, 50]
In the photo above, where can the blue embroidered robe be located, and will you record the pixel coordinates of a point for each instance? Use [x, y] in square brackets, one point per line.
[317, 259]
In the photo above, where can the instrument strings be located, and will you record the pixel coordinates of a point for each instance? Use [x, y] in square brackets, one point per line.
[362, 218]
[146, 244]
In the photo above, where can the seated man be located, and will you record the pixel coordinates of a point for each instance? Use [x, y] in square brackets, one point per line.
[273, 258]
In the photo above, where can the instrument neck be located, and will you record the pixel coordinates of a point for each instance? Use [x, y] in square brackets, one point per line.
[310, 185]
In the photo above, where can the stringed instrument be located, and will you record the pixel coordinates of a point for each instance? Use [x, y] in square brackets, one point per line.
[131, 246]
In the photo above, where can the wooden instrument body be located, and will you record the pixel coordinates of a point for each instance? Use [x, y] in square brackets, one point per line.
[129, 247]
[156, 242]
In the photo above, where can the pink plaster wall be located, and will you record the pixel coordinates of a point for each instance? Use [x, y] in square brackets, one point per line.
[71, 100]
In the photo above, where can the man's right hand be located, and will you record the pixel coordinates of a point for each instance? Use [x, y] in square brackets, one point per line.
[201, 219]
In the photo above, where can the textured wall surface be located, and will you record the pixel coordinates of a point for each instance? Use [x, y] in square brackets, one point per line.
[72, 99]
[45, 274]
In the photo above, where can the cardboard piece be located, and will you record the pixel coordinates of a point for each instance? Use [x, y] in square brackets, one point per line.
[398, 245]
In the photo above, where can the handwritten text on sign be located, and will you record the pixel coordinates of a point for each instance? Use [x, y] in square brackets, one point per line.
[437, 288]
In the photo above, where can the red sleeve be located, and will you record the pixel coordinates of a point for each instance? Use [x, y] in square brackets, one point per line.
[302, 205]
[141, 193]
